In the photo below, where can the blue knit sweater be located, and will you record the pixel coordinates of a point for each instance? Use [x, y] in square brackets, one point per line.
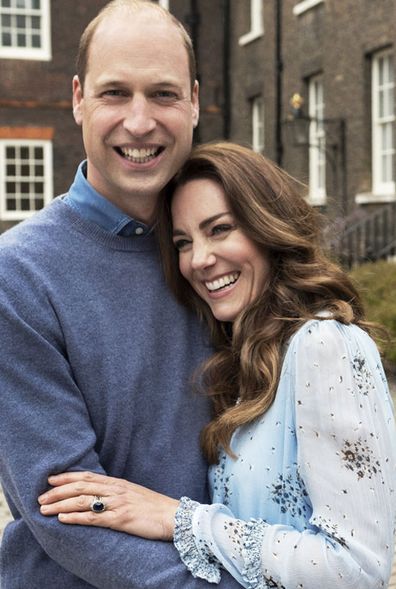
[95, 362]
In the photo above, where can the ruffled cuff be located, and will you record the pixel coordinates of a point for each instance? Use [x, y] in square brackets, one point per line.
[252, 543]
[199, 561]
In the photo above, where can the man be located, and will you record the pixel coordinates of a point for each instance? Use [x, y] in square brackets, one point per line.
[96, 355]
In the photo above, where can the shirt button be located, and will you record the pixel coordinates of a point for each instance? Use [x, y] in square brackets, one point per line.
[139, 230]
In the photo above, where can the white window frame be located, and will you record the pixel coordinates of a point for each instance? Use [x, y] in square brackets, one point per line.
[383, 124]
[256, 23]
[258, 129]
[164, 4]
[305, 5]
[5, 214]
[317, 143]
[42, 53]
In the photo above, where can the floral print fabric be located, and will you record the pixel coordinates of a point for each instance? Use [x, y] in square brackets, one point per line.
[310, 500]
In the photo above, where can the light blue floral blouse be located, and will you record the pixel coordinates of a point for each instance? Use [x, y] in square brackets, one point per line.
[310, 500]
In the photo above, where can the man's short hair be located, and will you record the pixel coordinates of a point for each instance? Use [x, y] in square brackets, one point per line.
[134, 6]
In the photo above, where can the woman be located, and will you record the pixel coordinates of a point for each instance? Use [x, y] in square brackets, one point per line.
[301, 444]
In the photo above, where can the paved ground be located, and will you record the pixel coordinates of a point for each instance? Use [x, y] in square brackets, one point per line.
[5, 514]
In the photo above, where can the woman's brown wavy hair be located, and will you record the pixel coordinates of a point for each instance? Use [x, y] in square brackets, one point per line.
[268, 207]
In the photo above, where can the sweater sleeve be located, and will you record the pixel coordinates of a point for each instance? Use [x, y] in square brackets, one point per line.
[346, 461]
[45, 428]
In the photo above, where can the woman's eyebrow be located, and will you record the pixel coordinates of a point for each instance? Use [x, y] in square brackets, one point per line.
[203, 224]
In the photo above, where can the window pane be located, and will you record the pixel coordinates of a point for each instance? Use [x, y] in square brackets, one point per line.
[38, 153]
[11, 204]
[35, 22]
[21, 40]
[38, 203]
[25, 170]
[36, 41]
[21, 21]
[10, 170]
[39, 170]
[5, 3]
[25, 204]
[39, 186]
[6, 40]
[5, 20]
[25, 187]
[10, 187]
[10, 153]
[36, 4]
[24, 153]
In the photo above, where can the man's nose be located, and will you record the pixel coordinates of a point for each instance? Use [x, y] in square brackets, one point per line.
[139, 118]
[202, 257]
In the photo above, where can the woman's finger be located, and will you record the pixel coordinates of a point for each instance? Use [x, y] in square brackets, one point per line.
[87, 518]
[75, 490]
[75, 476]
[78, 504]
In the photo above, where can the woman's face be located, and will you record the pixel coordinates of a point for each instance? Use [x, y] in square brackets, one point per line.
[221, 263]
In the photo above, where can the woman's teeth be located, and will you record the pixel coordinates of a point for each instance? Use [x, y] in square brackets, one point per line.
[222, 282]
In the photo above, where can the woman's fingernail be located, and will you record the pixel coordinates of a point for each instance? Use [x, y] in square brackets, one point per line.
[43, 498]
[44, 508]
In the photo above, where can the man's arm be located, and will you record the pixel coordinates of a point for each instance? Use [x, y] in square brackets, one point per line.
[45, 428]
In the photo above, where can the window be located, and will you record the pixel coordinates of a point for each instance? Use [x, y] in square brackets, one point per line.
[258, 124]
[25, 177]
[305, 5]
[383, 124]
[256, 22]
[25, 29]
[317, 143]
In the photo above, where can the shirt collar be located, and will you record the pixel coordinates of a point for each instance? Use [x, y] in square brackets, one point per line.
[94, 207]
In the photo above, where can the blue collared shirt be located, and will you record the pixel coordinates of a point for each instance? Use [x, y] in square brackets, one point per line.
[94, 207]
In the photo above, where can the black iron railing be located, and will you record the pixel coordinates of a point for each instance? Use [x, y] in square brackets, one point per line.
[364, 237]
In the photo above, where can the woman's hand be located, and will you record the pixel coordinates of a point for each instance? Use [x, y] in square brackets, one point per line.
[129, 508]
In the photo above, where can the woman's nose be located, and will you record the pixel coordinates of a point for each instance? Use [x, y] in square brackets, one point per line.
[202, 257]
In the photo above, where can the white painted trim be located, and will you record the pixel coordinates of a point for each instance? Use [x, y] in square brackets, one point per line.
[370, 198]
[249, 37]
[29, 53]
[256, 23]
[258, 124]
[305, 5]
[48, 176]
[379, 186]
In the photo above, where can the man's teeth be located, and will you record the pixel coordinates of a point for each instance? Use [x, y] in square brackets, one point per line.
[139, 156]
[222, 282]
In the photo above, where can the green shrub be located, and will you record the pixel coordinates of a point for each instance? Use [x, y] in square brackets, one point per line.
[377, 284]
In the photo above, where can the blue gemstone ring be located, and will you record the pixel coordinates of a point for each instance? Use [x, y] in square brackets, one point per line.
[97, 505]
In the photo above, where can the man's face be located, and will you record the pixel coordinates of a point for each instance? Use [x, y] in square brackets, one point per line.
[137, 110]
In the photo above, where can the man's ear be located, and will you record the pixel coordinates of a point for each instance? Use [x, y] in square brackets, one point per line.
[195, 103]
[77, 100]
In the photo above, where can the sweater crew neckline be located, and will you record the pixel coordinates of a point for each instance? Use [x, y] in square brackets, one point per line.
[136, 243]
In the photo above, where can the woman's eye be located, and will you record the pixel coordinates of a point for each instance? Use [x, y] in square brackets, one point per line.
[181, 244]
[223, 228]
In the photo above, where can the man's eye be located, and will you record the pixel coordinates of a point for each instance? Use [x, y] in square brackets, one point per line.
[166, 95]
[181, 244]
[113, 93]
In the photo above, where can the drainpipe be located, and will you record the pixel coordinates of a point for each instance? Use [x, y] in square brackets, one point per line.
[193, 21]
[279, 86]
[226, 70]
